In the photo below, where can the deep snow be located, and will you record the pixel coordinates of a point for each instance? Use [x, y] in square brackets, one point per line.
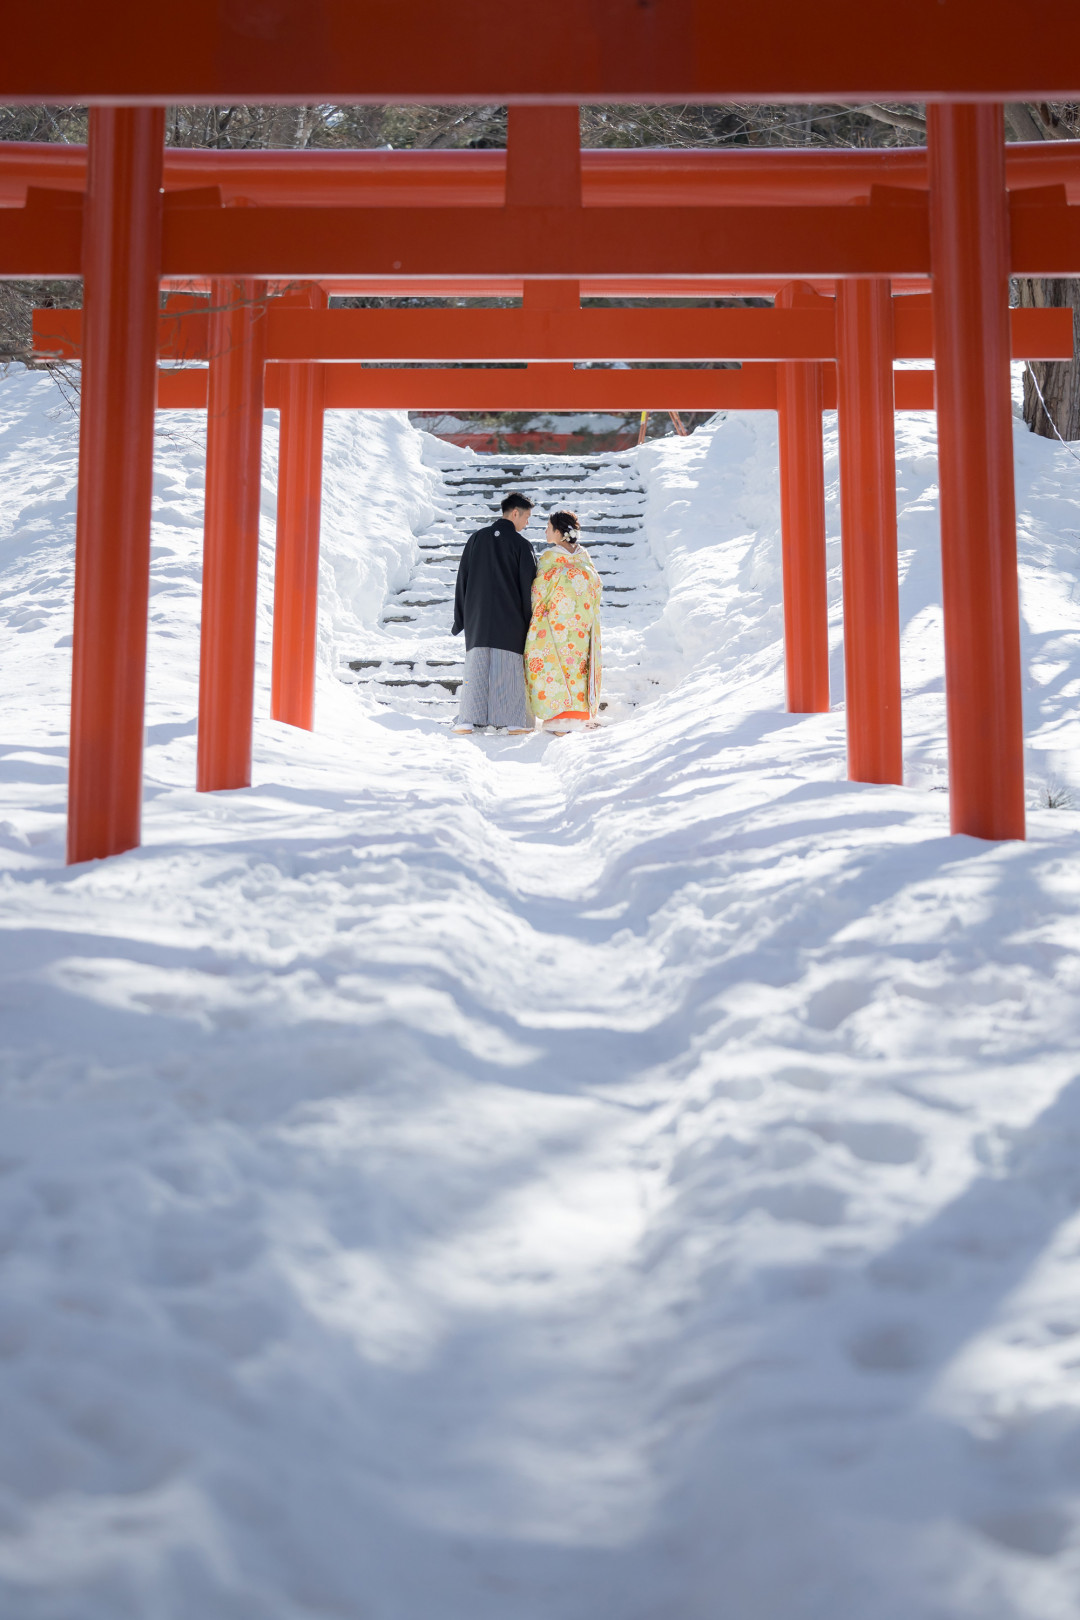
[632, 1175]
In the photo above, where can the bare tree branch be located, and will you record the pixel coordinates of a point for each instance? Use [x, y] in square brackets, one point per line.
[470, 122]
[914, 122]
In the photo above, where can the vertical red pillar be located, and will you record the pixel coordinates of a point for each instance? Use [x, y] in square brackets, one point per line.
[231, 542]
[121, 269]
[864, 398]
[969, 236]
[299, 511]
[799, 403]
[543, 157]
[543, 170]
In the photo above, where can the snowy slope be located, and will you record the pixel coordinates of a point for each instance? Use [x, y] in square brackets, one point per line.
[634, 1174]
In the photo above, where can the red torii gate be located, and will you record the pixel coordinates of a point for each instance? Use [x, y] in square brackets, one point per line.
[552, 323]
[963, 237]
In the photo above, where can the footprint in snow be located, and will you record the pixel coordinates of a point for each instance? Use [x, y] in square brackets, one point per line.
[811, 1202]
[829, 1007]
[807, 1079]
[1038, 1532]
[888, 1347]
[876, 1141]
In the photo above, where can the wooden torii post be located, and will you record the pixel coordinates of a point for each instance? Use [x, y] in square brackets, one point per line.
[969, 235]
[237, 340]
[864, 402]
[121, 247]
[800, 400]
[301, 397]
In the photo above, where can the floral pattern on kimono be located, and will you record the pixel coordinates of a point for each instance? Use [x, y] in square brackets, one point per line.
[562, 651]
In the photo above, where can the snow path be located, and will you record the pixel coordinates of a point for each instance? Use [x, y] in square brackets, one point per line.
[632, 1174]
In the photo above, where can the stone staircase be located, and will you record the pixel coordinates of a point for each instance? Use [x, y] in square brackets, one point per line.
[414, 665]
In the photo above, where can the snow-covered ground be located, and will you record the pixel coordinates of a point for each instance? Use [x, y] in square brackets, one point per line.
[631, 1175]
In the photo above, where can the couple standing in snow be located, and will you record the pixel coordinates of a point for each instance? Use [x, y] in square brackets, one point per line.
[532, 628]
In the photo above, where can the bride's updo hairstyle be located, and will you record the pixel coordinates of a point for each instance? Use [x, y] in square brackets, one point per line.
[566, 524]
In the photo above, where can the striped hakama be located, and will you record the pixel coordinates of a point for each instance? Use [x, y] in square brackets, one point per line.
[493, 690]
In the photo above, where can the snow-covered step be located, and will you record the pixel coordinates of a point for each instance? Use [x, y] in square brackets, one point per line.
[413, 663]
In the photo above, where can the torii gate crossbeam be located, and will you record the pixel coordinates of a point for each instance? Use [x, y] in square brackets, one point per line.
[310, 51]
[610, 176]
[888, 237]
[562, 331]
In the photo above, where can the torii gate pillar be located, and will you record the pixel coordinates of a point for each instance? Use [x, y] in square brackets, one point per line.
[299, 512]
[231, 540]
[865, 416]
[969, 236]
[121, 265]
[799, 403]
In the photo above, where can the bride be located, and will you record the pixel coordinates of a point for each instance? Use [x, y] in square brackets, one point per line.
[562, 650]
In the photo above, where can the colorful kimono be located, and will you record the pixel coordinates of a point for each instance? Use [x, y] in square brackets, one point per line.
[562, 651]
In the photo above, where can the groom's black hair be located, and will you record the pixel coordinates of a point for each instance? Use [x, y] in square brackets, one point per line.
[512, 503]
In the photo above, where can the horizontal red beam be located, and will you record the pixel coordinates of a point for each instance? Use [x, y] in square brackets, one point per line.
[560, 335]
[525, 334]
[625, 334]
[546, 388]
[886, 238]
[44, 238]
[666, 287]
[650, 177]
[912, 390]
[313, 244]
[580, 50]
[1036, 334]
[495, 334]
[187, 390]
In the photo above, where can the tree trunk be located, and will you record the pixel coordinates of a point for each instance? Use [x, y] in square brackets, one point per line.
[1059, 380]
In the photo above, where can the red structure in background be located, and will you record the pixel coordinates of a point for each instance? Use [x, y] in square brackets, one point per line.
[862, 383]
[301, 401]
[864, 375]
[234, 407]
[532, 334]
[970, 246]
[800, 400]
[121, 249]
[545, 217]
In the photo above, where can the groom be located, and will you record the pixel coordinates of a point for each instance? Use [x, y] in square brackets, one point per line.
[493, 605]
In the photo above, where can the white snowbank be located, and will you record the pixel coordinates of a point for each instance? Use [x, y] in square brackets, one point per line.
[376, 499]
[628, 1175]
